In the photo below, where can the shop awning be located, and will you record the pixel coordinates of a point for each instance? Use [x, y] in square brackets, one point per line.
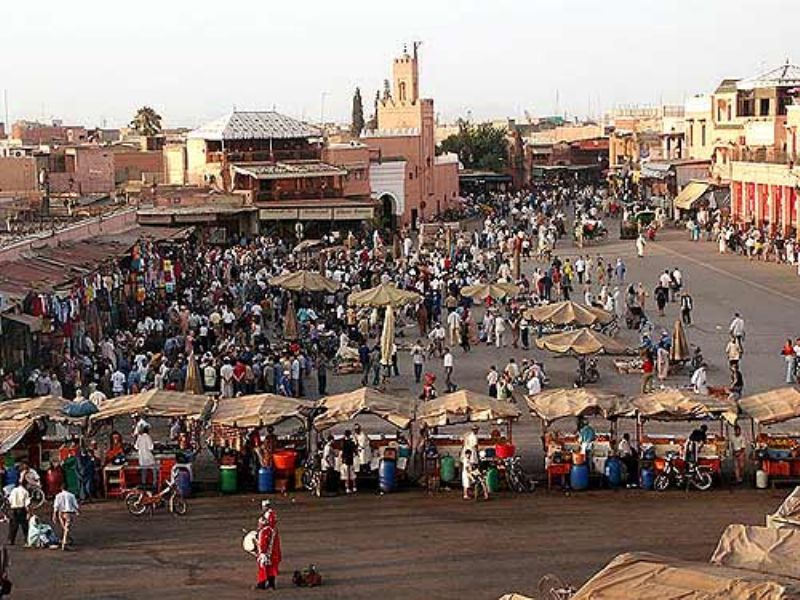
[12, 431]
[154, 403]
[562, 403]
[259, 410]
[49, 407]
[29, 321]
[774, 406]
[465, 406]
[760, 549]
[397, 410]
[673, 404]
[690, 194]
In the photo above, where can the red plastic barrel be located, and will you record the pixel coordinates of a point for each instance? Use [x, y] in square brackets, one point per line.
[285, 460]
[504, 450]
[53, 480]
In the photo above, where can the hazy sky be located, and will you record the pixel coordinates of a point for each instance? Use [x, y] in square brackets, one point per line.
[92, 61]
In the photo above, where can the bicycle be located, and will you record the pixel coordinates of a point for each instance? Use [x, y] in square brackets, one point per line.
[146, 501]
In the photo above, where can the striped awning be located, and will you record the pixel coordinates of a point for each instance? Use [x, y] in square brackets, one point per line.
[690, 194]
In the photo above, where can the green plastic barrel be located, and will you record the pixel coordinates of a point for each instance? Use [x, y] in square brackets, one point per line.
[71, 474]
[447, 468]
[493, 479]
[227, 479]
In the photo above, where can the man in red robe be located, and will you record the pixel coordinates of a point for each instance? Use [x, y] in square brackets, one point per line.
[269, 550]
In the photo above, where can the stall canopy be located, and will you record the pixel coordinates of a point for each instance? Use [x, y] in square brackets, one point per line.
[463, 406]
[690, 194]
[771, 407]
[304, 281]
[568, 313]
[761, 549]
[396, 409]
[50, 407]
[12, 431]
[788, 513]
[383, 295]
[496, 290]
[562, 403]
[259, 410]
[683, 405]
[580, 342]
[641, 576]
[155, 403]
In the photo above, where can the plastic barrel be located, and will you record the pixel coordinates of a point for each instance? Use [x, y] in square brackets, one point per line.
[493, 480]
[579, 477]
[53, 480]
[762, 479]
[184, 482]
[285, 460]
[266, 480]
[648, 477]
[613, 472]
[11, 476]
[386, 475]
[228, 480]
[404, 452]
[447, 468]
[71, 474]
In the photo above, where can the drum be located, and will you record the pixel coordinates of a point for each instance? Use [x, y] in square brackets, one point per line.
[250, 542]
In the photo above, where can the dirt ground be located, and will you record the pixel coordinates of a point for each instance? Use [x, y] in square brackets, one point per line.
[405, 545]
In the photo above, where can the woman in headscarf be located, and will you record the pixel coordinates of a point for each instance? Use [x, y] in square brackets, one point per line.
[269, 550]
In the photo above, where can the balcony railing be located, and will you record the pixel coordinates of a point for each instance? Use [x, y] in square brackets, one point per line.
[264, 156]
[297, 194]
[762, 155]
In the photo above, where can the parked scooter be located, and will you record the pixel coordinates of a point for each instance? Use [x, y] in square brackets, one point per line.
[697, 475]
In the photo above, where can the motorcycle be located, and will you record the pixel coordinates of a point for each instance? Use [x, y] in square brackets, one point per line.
[698, 475]
[313, 475]
[517, 479]
[142, 501]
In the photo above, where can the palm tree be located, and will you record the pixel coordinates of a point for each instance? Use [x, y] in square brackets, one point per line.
[146, 121]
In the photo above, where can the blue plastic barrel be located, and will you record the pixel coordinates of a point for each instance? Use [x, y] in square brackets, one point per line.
[613, 472]
[579, 477]
[183, 481]
[386, 475]
[266, 480]
[11, 476]
[648, 477]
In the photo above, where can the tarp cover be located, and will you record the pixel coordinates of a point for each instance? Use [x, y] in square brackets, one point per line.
[385, 294]
[568, 313]
[789, 510]
[582, 402]
[770, 551]
[34, 408]
[465, 406]
[154, 403]
[515, 597]
[640, 576]
[774, 406]
[12, 431]
[304, 281]
[259, 410]
[674, 404]
[397, 410]
[581, 342]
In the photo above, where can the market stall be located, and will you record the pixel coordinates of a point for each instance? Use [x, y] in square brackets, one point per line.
[561, 446]
[761, 549]
[788, 513]
[497, 290]
[123, 471]
[582, 343]
[382, 296]
[246, 444]
[778, 452]
[674, 405]
[396, 409]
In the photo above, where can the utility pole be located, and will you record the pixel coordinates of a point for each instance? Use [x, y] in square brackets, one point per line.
[322, 109]
[5, 102]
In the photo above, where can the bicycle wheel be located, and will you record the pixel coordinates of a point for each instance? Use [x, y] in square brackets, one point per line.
[661, 482]
[702, 481]
[135, 505]
[37, 497]
[309, 479]
[178, 506]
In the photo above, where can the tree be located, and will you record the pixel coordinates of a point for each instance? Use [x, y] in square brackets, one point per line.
[357, 125]
[146, 121]
[481, 146]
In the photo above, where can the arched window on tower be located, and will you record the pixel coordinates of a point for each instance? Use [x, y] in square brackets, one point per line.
[402, 91]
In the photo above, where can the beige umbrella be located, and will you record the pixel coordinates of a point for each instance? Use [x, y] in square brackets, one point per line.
[383, 295]
[680, 345]
[259, 410]
[155, 403]
[387, 337]
[290, 327]
[193, 383]
[304, 281]
[496, 290]
[568, 313]
[580, 342]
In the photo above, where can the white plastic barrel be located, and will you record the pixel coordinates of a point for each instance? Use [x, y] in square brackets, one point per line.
[762, 479]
